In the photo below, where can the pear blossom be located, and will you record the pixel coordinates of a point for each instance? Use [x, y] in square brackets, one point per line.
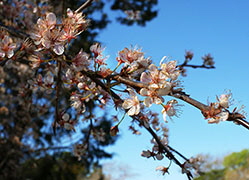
[170, 70]
[158, 86]
[77, 102]
[35, 61]
[129, 55]
[132, 103]
[224, 100]
[169, 109]
[80, 61]
[97, 49]
[223, 116]
[7, 47]
[52, 39]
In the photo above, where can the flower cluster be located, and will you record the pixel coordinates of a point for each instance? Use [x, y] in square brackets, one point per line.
[160, 82]
[80, 150]
[135, 62]
[50, 35]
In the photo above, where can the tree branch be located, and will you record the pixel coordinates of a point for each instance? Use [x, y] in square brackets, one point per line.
[237, 118]
[138, 118]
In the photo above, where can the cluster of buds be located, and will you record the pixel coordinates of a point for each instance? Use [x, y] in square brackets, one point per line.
[80, 150]
[156, 151]
[208, 60]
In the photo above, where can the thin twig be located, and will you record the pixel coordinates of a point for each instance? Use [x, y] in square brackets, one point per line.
[58, 84]
[13, 31]
[195, 66]
[50, 148]
[179, 154]
[84, 6]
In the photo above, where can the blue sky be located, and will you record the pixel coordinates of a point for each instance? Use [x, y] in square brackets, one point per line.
[219, 27]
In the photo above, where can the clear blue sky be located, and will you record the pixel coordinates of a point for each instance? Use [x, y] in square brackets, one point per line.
[219, 27]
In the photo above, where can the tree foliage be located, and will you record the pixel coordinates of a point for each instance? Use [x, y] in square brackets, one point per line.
[235, 166]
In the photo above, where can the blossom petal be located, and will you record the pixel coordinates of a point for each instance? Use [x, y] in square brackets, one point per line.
[51, 18]
[58, 49]
[144, 92]
[132, 111]
[148, 102]
[145, 77]
[127, 104]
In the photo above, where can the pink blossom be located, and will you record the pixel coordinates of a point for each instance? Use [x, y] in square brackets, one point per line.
[223, 116]
[97, 49]
[80, 61]
[169, 109]
[132, 103]
[169, 69]
[129, 55]
[224, 100]
[7, 47]
[52, 39]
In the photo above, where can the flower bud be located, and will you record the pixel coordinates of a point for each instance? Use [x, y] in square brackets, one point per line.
[114, 130]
